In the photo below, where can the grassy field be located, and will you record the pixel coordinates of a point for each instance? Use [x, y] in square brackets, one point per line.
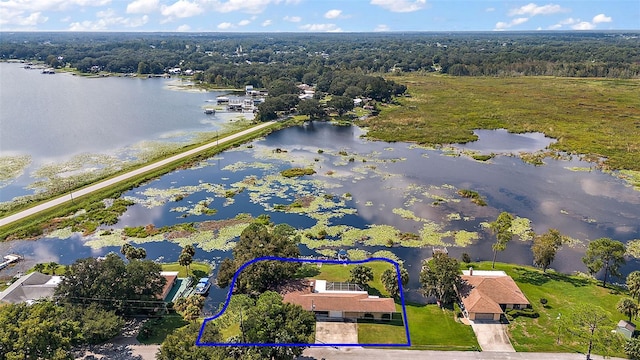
[160, 328]
[429, 326]
[335, 272]
[564, 293]
[598, 117]
[197, 269]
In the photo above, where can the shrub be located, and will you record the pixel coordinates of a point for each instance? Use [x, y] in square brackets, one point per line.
[530, 313]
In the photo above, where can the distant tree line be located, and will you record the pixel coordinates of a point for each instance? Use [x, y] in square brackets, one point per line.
[235, 60]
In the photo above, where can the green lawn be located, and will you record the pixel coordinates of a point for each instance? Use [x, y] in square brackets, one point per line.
[336, 272]
[160, 328]
[381, 334]
[564, 293]
[198, 269]
[433, 328]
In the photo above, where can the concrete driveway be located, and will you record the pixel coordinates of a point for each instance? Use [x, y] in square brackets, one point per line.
[492, 336]
[329, 332]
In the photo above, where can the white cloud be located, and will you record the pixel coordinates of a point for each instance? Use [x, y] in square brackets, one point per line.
[294, 19]
[106, 19]
[181, 9]
[321, 27]
[267, 22]
[501, 25]
[225, 26]
[27, 13]
[490, 9]
[49, 5]
[248, 6]
[400, 5]
[601, 18]
[143, 6]
[561, 23]
[532, 9]
[244, 22]
[583, 25]
[16, 18]
[183, 28]
[382, 27]
[332, 14]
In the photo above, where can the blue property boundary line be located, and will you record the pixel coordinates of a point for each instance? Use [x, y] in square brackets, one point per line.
[341, 262]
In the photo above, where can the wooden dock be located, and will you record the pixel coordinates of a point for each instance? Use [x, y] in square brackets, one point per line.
[10, 259]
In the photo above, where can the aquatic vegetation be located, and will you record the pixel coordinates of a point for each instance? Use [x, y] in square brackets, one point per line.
[357, 254]
[473, 195]
[453, 216]
[482, 157]
[330, 253]
[536, 158]
[578, 168]
[464, 238]
[241, 165]
[407, 214]
[431, 234]
[12, 167]
[296, 172]
[632, 177]
[63, 233]
[520, 227]
[387, 254]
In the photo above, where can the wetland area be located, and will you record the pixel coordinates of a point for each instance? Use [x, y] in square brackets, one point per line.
[393, 199]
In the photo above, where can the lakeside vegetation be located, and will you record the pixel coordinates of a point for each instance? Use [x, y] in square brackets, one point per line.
[47, 220]
[597, 118]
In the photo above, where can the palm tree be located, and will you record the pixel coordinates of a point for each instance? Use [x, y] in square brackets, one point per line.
[53, 266]
[628, 307]
[633, 284]
[39, 267]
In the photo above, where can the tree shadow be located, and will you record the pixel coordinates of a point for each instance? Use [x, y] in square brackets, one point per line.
[307, 271]
[538, 278]
[199, 274]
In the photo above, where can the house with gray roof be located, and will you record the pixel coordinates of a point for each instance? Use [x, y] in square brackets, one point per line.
[30, 287]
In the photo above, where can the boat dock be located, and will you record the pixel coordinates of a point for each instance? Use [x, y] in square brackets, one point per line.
[10, 259]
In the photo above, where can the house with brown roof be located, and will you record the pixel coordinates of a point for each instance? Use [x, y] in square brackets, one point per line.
[334, 300]
[485, 295]
[171, 277]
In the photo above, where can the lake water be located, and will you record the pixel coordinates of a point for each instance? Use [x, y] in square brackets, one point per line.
[53, 118]
[359, 185]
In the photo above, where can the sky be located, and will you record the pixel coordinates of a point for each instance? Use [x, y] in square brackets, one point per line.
[317, 15]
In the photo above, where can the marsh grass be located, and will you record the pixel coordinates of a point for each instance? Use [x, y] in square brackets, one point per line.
[596, 117]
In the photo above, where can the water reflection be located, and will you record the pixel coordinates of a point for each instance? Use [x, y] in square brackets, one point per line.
[502, 142]
[397, 184]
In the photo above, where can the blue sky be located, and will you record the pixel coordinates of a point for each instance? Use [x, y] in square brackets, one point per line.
[317, 15]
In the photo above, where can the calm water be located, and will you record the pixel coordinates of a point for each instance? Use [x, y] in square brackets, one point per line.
[54, 117]
[381, 178]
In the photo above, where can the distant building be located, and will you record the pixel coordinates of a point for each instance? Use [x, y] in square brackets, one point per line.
[30, 288]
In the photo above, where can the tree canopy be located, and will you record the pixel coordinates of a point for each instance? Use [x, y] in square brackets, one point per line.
[389, 279]
[258, 240]
[361, 275]
[501, 227]
[131, 288]
[439, 278]
[545, 247]
[607, 254]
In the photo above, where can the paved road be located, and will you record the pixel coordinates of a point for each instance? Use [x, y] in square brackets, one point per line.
[385, 354]
[126, 176]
